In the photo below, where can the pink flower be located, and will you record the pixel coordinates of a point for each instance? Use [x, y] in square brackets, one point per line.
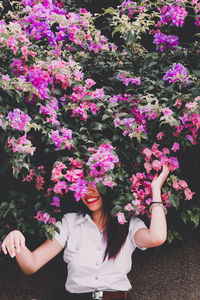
[39, 182]
[56, 201]
[167, 111]
[188, 194]
[178, 103]
[191, 139]
[90, 82]
[183, 184]
[160, 135]
[175, 147]
[60, 185]
[75, 163]
[148, 201]
[165, 151]
[74, 174]
[148, 167]
[52, 220]
[121, 218]
[173, 163]
[45, 217]
[176, 185]
[128, 207]
[148, 153]
[156, 165]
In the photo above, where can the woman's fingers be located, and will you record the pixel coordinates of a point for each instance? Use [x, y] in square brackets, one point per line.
[22, 242]
[3, 247]
[13, 243]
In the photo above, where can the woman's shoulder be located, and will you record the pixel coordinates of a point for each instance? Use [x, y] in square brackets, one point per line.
[136, 221]
[72, 217]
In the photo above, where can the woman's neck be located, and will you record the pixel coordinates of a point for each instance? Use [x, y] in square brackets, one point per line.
[99, 218]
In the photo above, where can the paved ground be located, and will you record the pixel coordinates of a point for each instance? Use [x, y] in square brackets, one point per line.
[172, 273]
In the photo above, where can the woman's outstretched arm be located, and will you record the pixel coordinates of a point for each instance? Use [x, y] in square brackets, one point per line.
[157, 233]
[29, 262]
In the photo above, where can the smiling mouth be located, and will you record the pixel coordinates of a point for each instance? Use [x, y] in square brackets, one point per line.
[92, 200]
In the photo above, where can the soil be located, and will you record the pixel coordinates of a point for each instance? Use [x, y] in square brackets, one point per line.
[163, 273]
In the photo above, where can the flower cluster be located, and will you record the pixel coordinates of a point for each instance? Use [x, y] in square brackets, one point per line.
[101, 163]
[45, 217]
[178, 73]
[155, 159]
[182, 184]
[80, 107]
[164, 42]
[37, 176]
[51, 111]
[131, 7]
[22, 144]
[190, 121]
[137, 116]
[174, 15]
[62, 141]
[69, 178]
[18, 119]
[126, 80]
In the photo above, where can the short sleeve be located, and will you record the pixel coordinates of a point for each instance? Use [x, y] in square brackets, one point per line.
[135, 225]
[62, 237]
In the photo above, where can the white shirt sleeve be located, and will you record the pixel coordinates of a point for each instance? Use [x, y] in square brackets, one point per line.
[62, 237]
[135, 225]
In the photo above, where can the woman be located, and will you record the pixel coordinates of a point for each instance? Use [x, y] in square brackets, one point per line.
[98, 250]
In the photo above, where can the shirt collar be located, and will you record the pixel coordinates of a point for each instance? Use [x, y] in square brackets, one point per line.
[82, 217]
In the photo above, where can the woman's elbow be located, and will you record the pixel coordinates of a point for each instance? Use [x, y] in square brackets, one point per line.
[29, 271]
[158, 240]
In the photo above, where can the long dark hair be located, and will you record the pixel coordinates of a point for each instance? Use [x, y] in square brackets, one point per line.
[114, 233]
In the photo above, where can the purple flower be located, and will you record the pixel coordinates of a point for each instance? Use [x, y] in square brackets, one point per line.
[56, 201]
[178, 73]
[18, 119]
[62, 141]
[174, 14]
[164, 42]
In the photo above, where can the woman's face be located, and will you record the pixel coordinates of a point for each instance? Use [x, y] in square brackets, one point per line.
[92, 199]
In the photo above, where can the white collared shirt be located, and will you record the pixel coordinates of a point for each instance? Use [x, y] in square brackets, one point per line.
[84, 252]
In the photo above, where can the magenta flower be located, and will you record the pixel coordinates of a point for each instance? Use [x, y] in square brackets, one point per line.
[188, 194]
[156, 165]
[121, 218]
[164, 42]
[56, 201]
[167, 111]
[174, 15]
[18, 119]
[160, 135]
[79, 188]
[178, 73]
[175, 147]
[62, 141]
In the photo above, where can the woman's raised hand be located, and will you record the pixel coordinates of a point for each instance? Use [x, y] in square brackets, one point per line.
[158, 180]
[13, 243]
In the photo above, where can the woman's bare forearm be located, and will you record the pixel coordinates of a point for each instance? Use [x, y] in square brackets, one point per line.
[158, 224]
[26, 261]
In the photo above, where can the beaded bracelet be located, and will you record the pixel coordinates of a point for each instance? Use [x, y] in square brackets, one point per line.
[157, 204]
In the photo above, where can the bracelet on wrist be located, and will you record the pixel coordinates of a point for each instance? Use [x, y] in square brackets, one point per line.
[154, 203]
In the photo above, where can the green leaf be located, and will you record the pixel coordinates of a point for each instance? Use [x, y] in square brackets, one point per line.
[174, 201]
[115, 210]
[195, 219]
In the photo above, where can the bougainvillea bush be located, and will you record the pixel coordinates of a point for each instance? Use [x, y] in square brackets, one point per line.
[78, 106]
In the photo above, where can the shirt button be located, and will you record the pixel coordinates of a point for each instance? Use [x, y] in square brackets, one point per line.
[96, 277]
[99, 248]
[97, 263]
